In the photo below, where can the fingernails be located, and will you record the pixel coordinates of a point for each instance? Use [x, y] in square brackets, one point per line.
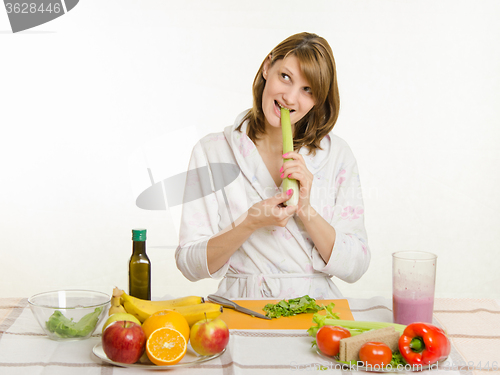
[285, 155]
[281, 170]
[282, 175]
[289, 191]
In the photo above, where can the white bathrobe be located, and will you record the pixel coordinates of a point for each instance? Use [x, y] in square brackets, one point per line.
[275, 262]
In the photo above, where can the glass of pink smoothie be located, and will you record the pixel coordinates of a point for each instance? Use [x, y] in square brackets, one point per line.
[413, 281]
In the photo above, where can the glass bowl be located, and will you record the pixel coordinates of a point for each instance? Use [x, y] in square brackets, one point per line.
[69, 314]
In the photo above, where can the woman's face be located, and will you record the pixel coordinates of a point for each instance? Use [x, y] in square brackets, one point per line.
[286, 86]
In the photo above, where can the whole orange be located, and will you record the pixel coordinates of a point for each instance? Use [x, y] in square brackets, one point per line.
[166, 318]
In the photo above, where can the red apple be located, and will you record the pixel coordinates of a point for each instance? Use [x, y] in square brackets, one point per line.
[124, 341]
[209, 336]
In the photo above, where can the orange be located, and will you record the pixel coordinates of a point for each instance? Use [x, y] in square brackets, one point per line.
[166, 346]
[166, 318]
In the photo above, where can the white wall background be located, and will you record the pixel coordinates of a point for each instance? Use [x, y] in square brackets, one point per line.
[92, 99]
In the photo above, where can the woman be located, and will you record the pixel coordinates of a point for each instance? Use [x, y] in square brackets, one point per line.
[272, 250]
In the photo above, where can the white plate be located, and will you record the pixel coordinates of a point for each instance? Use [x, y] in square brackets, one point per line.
[190, 359]
[338, 365]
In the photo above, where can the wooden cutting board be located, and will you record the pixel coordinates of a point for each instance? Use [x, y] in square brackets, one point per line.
[237, 320]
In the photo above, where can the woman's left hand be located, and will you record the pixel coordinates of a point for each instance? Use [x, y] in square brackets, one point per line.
[296, 169]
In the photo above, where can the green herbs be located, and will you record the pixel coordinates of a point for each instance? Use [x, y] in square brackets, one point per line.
[67, 328]
[397, 359]
[292, 307]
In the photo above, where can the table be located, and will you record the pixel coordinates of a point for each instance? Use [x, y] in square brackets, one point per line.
[473, 326]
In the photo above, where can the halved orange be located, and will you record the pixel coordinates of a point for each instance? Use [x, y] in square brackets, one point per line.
[166, 318]
[166, 346]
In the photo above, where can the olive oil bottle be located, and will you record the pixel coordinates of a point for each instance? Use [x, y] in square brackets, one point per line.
[139, 272]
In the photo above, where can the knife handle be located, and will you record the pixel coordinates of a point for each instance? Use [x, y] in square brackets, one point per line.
[221, 301]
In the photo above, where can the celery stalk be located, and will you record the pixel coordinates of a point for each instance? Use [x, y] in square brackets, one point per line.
[286, 129]
[355, 327]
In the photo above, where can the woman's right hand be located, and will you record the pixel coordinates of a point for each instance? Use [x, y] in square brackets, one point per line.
[271, 212]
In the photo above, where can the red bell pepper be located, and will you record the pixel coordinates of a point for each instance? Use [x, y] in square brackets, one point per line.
[423, 344]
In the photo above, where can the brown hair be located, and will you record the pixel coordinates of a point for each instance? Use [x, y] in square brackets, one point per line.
[318, 65]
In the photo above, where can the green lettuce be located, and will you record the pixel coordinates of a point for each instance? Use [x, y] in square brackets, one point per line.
[67, 328]
[294, 306]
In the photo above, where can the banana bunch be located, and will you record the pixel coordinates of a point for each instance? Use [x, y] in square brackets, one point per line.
[116, 304]
[193, 308]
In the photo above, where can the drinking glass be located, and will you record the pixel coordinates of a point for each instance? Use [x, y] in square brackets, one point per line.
[413, 284]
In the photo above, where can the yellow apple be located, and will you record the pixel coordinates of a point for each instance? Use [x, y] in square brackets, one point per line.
[120, 316]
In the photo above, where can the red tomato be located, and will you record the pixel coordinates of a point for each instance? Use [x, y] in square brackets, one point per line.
[328, 339]
[375, 353]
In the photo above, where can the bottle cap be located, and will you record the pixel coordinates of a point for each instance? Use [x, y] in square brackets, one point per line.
[138, 234]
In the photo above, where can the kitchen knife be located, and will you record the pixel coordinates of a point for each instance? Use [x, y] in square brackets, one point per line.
[231, 305]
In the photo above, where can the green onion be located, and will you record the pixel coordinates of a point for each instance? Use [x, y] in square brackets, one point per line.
[286, 129]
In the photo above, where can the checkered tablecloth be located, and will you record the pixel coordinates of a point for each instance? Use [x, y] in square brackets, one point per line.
[473, 326]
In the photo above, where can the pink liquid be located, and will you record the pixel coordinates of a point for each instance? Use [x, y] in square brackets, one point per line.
[407, 310]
